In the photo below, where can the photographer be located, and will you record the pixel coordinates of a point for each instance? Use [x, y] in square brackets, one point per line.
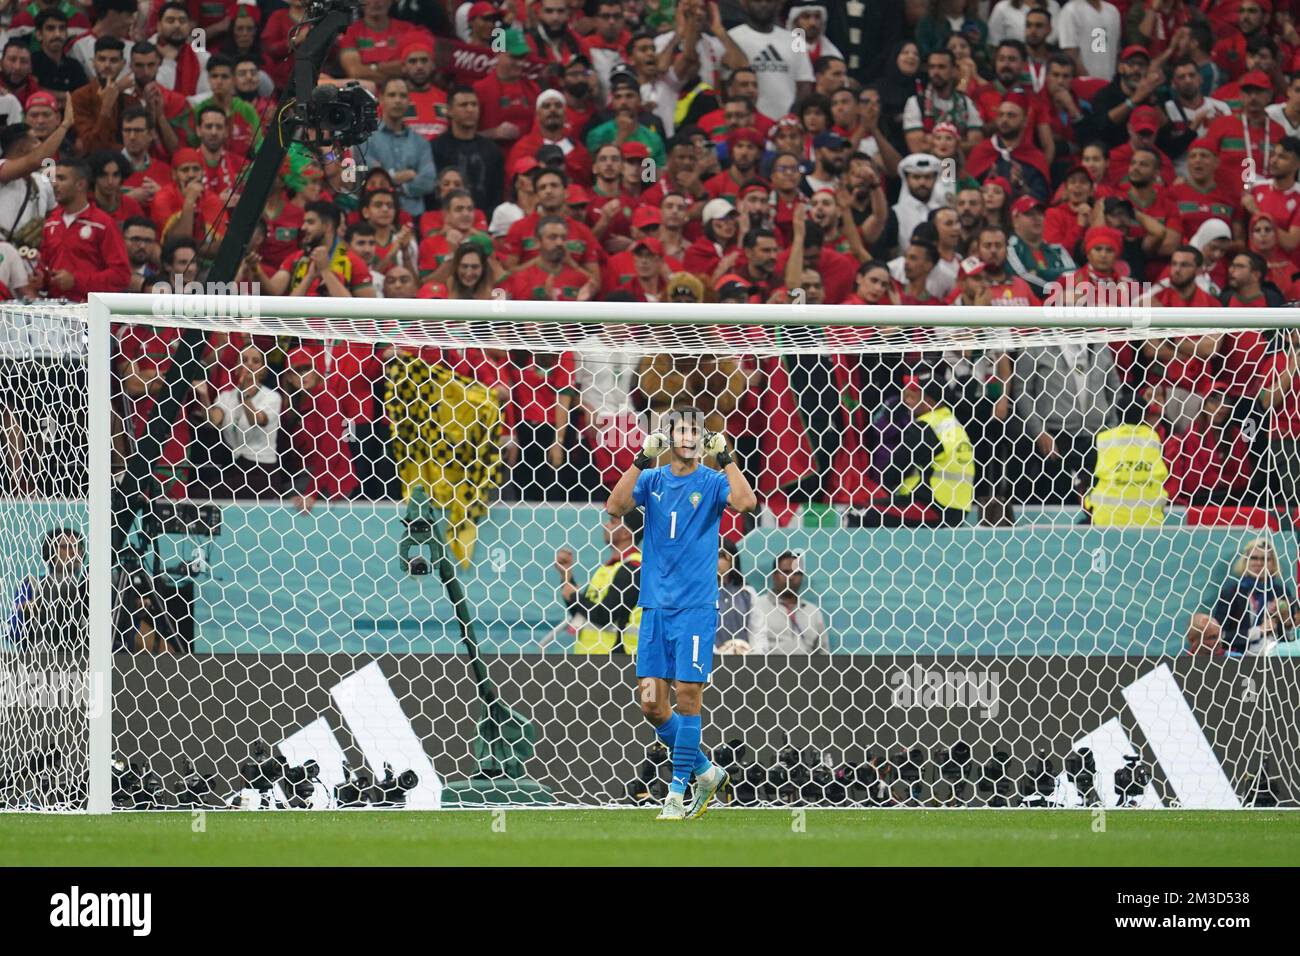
[51, 611]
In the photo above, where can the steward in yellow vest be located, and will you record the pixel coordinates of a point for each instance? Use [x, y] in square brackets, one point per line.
[605, 612]
[1130, 473]
[934, 464]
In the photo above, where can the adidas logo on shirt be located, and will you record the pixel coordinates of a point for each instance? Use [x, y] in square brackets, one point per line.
[769, 61]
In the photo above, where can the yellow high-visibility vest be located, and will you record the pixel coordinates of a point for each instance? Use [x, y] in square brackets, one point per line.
[593, 640]
[1130, 485]
[952, 477]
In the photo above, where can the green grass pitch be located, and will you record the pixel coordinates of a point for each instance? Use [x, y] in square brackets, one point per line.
[634, 838]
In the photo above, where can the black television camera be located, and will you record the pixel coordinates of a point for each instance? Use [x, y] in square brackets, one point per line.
[1131, 780]
[153, 603]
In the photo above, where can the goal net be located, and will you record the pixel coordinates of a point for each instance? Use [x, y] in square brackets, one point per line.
[282, 553]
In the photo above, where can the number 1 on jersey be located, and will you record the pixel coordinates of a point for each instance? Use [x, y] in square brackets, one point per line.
[672, 526]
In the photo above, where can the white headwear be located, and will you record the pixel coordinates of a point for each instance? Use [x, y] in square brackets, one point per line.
[1210, 230]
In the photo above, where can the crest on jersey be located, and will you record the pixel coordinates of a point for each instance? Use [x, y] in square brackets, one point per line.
[695, 499]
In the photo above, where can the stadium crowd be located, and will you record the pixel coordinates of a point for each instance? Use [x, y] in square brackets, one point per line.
[921, 152]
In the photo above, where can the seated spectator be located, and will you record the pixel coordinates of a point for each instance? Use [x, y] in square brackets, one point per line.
[54, 70]
[649, 282]
[183, 67]
[97, 105]
[553, 274]
[471, 273]
[457, 227]
[146, 175]
[783, 621]
[626, 125]
[522, 242]
[1010, 151]
[551, 129]
[1037, 262]
[16, 72]
[393, 245]
[1262, 239]
[142, 252]
[736, 604]
[107, 169]
[325, 266]
[361, 243]
[1249, 285]
[371, 47]
[50, 612]
[1212, 240]
[1209, 460]
[314, 425]
[186, 207]
[247, 418]
[1065, 222]
[1143, 125]
[1253, 612]
[605, 615]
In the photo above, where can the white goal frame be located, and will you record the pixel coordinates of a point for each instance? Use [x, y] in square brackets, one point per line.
[191, 311]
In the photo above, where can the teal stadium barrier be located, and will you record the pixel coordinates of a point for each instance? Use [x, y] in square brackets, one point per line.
[329, 582]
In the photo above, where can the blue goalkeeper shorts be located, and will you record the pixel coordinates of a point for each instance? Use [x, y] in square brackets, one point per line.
[677, 643]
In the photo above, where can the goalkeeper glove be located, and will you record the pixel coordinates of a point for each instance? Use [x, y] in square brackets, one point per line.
[655, 444]
[715, 444]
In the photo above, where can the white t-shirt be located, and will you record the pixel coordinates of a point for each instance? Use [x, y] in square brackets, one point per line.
[83, 51]
[1277, 113]
[247, 439]
[14, 269]
[11, 111]
[1008, 23]
[1095, 33]
[603, 375]
[12, 195]
[167, 71]
[778, 68]
[709, 49]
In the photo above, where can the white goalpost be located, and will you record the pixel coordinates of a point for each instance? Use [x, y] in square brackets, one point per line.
[304, 553]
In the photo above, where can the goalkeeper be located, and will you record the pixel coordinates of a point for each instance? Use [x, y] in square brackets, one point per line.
[683, 504]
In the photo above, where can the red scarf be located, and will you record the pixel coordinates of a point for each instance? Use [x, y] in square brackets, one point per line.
[187, 71]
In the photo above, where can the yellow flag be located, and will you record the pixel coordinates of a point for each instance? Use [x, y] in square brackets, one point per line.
[447, 433]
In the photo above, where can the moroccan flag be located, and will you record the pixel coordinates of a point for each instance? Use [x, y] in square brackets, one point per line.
[447, 434]
[784, 448]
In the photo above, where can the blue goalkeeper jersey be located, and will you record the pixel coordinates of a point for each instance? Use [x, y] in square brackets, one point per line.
[679, 556]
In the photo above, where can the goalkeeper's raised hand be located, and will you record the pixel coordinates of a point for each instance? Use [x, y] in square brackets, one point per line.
[655, 444]
[715, 444]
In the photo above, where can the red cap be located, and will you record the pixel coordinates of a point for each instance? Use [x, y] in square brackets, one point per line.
[651, 243]
[733, 277]
[523, 164]
[1026, 204]
[644, 216]
[1019, 97]
[1000, 182]
[576, 195]
[1203, 143]
[635, 150]
[1135, 49]
[481, 9]
[746, 134]
[185, 155]
[1257, 79]
[1102, 236]
[755, 187]
[415, 42]
[1144, 118]
[303, 357]
[43, 98]
[971, 266]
